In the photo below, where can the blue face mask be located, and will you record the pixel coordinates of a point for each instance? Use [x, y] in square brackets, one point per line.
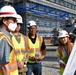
[12, 26]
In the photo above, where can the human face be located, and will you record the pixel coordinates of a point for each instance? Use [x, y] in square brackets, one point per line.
[18, 27]
[32, 30]
[10, 23]
[11, 20]
[64, 40]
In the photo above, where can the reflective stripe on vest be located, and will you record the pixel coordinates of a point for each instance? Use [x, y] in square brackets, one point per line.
[12, 64]
[2, 35]
[13, 67]
[17, 52]
[34, 49]
[19, 48]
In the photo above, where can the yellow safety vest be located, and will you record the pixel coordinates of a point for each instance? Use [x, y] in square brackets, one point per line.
[64, 58]
[19, 47]
[34, 49]
[62, 67]
[12, 64]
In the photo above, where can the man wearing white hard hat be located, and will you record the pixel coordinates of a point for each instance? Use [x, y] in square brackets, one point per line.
[8, 23]
[36, 47]
[20, 47]
[64, 49]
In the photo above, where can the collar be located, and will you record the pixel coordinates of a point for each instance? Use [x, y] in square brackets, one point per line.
[6, 32]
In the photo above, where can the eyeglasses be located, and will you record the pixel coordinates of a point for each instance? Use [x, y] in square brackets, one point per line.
[11, 18]
[19, 24]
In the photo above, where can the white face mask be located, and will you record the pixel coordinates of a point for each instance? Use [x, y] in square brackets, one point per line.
[12, 26]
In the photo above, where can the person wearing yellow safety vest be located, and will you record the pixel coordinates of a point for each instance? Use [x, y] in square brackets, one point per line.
[36, 47]
[64, 49]
[20, 47]
[8, 23]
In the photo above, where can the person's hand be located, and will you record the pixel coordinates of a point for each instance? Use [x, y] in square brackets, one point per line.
[20, 64]
[32, 58]
[39, 58]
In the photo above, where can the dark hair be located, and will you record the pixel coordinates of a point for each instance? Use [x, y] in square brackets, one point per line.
[7, 18]
[1, 22]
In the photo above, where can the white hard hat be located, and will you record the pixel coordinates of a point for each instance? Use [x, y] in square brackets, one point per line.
[8, 11]
[31, 23]
[19, 19]
[63, 33]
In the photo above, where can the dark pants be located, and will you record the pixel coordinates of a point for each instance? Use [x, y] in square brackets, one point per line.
[35, 68]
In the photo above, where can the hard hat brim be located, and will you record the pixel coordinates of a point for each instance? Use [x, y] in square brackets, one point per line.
[15, 15]
[19, 22]
[63, 36]
[30, 26]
